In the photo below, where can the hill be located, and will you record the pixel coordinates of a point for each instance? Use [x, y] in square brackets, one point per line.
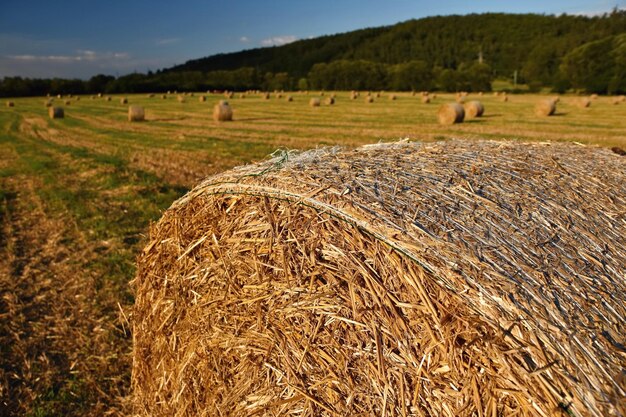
[533, 45]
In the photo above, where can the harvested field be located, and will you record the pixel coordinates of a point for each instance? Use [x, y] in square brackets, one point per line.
[453, 278]
[77, 195]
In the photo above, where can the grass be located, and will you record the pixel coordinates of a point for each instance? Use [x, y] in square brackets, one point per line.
[77, 196]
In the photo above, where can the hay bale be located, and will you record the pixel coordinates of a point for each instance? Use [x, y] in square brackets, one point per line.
[289, 99]
[136, 114]
[621, 98]
[10, 104]
[392, 97]
[67, 102]
[150, 95]
[99, 95]
[460, 99]
[181, 99]
[457, 278]
[474, 109]
[369, 99]
[108, 99]
[593, 97]
[545, 108]
[123, 100]
[48, 103]
[228, 95]
[222, 112]
[330, 101]
[434, 96]
[266, 96]
[425, 99]
[583, 102]
[56, 112]
[202, 99]
[314, 102]
[451, 113]
[504, 98]
[77, 98]
[242, 95]
[164, 96]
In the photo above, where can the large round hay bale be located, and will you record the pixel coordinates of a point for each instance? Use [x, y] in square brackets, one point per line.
[123, 100]
[108, 99]
[369, 99]
[584, 102]
[56, 112]
[164, 96]
[457, 278]
[222, 112]
[545, 107]
[392, 97]
[425, 99]
[289, 98]
[136, 114]
[451, 113]
[314, 102]
[266, 96]
[10, 104]
[330, 100]
[67, 102]
[474, 109]
[181, 99]
[202, 99]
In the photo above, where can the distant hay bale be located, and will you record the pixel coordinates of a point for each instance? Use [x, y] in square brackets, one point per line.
[504, 98]
[616, 100]
[369, 99]
[59, 96]
[455, 278]
[392, 97]
[496, 93]
[621, 98]
[314, 102]
[584, 102]
[228, 95]
[99, 95]
[123, 100]
[593, 97]
[108, 99]
[164, 96]
[181, 99]
[425, 99]
[545, 108]
[67, 102]
[279, 96]
[48, 103]
[266, 96]
[330, 101]
[222, 112]
[354, 95]
[56, 112]
[460, 99]
[480, 93]
[10, 104]
[136, 114]
[451, 113]
[202, 99]
[474, 109]
[242, 95]
[192, 95]
[434, 96]
[77, 98]
[150, 95]
[377, 95]
[288, 98]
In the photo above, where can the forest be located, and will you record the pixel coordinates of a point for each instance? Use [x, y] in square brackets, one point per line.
[446, 53]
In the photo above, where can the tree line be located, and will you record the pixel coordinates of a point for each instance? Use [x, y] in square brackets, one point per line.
[447, 53]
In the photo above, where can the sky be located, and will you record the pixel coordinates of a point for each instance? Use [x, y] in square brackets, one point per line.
[82, 38]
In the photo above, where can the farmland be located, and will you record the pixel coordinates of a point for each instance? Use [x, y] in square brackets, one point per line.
[77, 196]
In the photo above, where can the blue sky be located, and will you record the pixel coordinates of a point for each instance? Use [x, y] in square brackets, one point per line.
[72, 38]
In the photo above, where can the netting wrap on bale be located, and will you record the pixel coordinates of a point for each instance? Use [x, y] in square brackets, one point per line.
[410, 279]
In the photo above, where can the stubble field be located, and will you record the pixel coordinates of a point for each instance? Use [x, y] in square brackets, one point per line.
[77, 196]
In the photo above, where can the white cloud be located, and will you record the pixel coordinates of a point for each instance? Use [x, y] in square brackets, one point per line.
[244, 39]
[81, 55]
[278, 40]
[167, 41]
